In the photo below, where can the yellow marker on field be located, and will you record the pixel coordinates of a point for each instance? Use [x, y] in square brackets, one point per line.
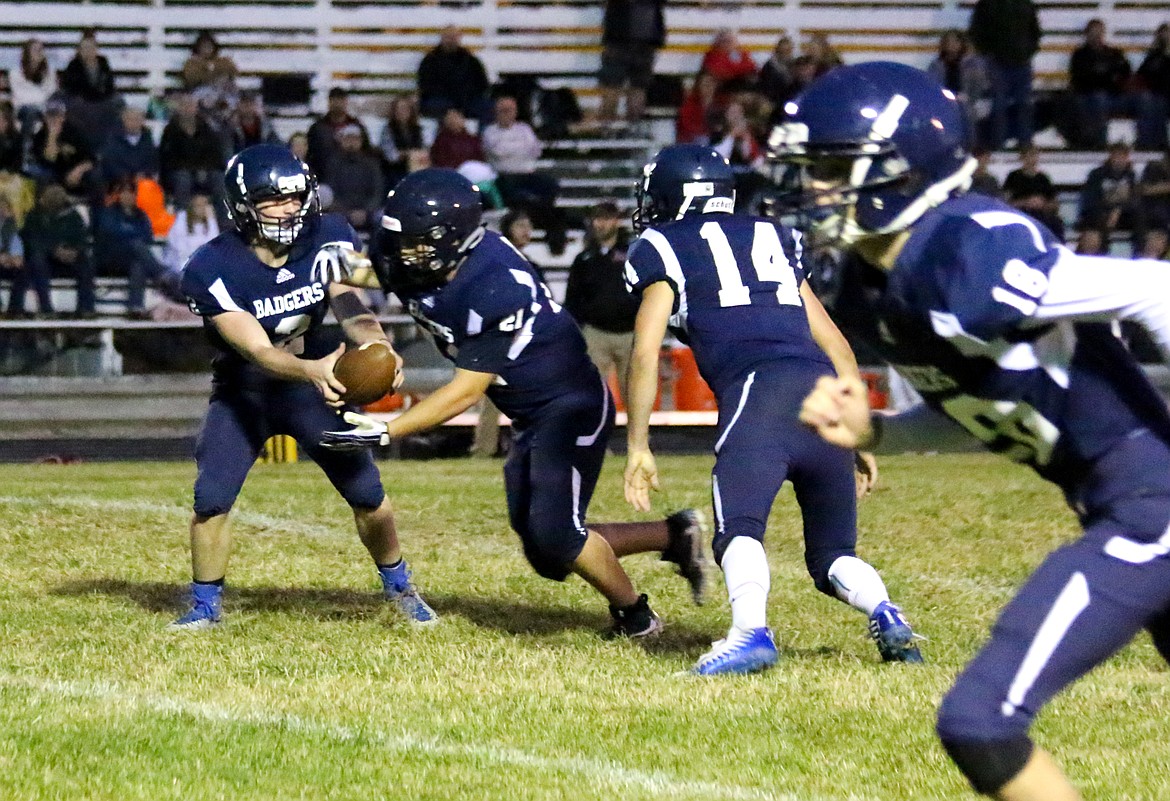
[278, 449]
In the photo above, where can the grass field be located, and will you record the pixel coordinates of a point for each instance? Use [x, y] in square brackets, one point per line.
[311, 690]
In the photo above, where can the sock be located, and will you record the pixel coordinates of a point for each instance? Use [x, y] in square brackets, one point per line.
[209, 593]
[857, 583]
[395, 577]
[745, 569]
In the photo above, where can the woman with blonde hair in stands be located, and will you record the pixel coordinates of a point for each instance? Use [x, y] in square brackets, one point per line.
[817, 47]
[31, 84]
[193, 226]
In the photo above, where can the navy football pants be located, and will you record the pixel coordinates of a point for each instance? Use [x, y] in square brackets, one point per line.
[237, 423]
[761, 444]
[550, 475]
[1083, 604]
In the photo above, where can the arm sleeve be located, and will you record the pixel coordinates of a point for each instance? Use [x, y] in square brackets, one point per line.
[1101, 288]
[206, 293]
[646, 264]
[498, 327]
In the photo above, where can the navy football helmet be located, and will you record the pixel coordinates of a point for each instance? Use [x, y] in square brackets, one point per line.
[683, 180]
[431, 220]
[266, 172]
[872, 146]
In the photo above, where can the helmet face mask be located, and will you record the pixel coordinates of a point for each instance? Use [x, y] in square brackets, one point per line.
[867, 150]
[258, 176]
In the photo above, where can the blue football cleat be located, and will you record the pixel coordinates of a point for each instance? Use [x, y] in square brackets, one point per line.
[205, 612]
[399, 590]
[891, 631]
[741, 652]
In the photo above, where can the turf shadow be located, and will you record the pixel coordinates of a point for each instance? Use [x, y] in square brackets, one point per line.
[536, 620]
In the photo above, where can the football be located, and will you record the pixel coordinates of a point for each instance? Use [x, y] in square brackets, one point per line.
[367, 372]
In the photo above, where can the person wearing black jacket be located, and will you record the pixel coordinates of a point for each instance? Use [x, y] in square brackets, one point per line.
[1099, 76]
[1007, 33]
[597, 296]
[450, 76]
[88, 84]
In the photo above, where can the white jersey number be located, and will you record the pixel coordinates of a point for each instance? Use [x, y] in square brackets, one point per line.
[768, 259]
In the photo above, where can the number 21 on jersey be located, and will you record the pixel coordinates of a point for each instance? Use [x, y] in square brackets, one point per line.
[768, 259]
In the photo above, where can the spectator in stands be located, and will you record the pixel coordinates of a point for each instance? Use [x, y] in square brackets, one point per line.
[402, 138]
[776, 82]
[193, 227]
[210, 77]
[823, 54]
[982, 181]
[1111, 201]
[88, 84]
[248, 124]
[122, 245]
[14, 186]
[11, 246]
[323, 132]
[1154, 73]
[633, 31]
[964, 72]
[1007, 34]
[737, 141]
[190, 154]
[298, 145]
[694, 115]
[11, 142]
[596, 294]
[355, 176]
[512, 148]
[60, 153]
[730, 63]
[1098, 75]
[804, 72]
[56, 239]
[130, 151]
[454, 144]
[1155, 190]
[450, 76]
[1030, 190]
[32, 83]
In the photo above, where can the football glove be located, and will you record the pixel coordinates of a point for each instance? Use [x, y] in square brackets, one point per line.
[335, 262]
[366, 433]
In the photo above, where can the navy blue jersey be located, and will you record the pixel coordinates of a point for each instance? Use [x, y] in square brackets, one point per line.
[962, 317]
[496, 316]
[737, 283]
[225, 275]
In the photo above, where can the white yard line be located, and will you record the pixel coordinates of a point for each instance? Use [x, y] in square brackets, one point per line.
[146, 507]
[598, 771]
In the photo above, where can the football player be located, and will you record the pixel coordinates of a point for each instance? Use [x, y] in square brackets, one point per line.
[1006, 331]
[263, 289]
[732, 287]
[491, 315]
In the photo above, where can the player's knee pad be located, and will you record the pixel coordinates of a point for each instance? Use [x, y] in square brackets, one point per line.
[552, 552]
[989, 764]
[362, 489]
[723, 539]
[212, 500]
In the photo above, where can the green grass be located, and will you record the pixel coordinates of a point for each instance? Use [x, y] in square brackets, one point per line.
[312, 690]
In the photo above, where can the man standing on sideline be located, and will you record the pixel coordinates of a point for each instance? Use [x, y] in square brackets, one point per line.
[597, 297]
